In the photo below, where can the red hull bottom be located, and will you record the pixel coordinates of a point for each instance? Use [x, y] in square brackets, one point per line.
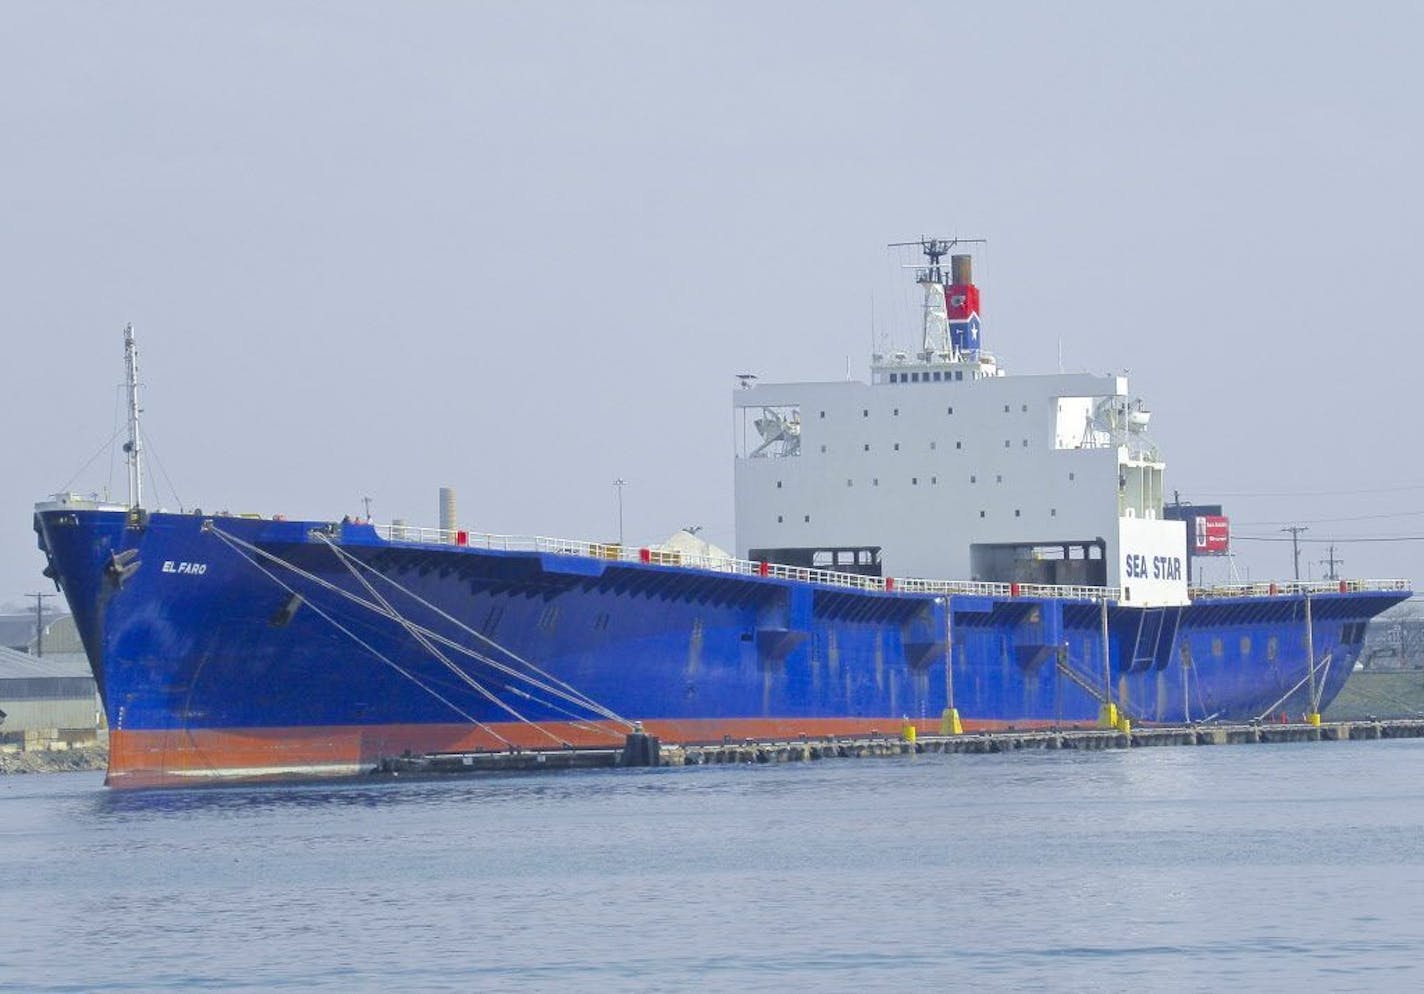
[167, 758]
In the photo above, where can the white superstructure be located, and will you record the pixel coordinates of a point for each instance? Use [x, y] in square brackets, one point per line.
[953, 469]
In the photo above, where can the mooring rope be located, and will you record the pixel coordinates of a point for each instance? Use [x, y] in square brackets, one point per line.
[419, 637]
[1320, 683]
[390, 613]
[230, 542]
[1286, 696]
[1066, 669]
[553, 684]
[425, 636]
[1090, 686]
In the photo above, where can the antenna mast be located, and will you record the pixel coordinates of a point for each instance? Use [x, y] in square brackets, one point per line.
[131, 447]
[936, 333]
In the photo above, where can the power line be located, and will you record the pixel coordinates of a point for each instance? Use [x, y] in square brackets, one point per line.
[1326, 541]
[1400, 488]
[1318, 521]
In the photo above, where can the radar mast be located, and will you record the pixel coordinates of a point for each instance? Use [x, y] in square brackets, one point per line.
[936, 338]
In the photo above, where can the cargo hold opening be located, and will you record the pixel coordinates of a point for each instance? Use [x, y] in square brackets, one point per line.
[1075, 563]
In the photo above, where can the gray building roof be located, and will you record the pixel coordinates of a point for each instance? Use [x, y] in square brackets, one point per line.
[19, 666]
[17, 631]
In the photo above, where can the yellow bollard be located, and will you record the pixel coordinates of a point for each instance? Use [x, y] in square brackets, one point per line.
[949, 723]
[1313, 718]
[1108, 716]
[1124, 724]
[908, 733]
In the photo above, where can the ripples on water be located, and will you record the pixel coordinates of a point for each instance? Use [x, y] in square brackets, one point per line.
[1258, 867]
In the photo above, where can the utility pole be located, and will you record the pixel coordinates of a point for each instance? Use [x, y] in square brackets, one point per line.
[1176, 506]
[619, 484]
[39, 621]
[1330, 562]
[1295, 531]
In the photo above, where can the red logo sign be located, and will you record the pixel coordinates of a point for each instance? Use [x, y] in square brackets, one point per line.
[1211, 535]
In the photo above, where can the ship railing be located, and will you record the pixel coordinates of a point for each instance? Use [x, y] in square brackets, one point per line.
[744, 567]
[980, 588]
[830, 578]
[1271, 589]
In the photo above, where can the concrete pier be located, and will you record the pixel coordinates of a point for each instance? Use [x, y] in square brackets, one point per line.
[808, 750]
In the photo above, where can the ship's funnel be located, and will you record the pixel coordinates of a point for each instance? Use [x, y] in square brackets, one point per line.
[961, 299]
[448, 518]
[961, 268]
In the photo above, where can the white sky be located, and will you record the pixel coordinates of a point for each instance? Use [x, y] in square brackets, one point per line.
[522, 249]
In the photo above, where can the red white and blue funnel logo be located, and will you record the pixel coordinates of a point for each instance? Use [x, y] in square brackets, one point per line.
[961, 301]
[965, 334]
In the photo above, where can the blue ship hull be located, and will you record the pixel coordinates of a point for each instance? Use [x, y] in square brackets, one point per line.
[235, 647]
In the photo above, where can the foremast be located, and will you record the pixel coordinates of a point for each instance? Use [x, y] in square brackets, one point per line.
[132, 447]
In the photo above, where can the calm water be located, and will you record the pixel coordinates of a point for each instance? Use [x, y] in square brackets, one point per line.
[1256, 867]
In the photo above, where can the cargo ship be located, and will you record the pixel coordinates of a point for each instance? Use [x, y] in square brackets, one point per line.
[237, 647]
